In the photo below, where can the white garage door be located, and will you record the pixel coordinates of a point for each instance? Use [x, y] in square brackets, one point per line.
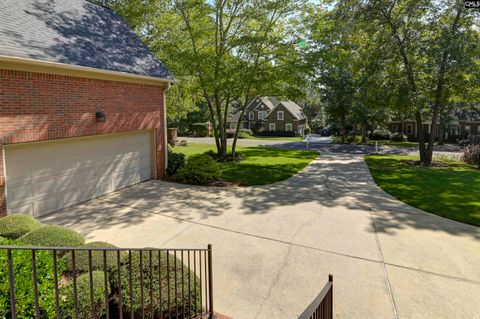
[48, 176]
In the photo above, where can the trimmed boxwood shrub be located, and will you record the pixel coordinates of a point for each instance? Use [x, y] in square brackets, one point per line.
[162, 274]
[201, 169]
[83, 296]
[379, 135]
[53, 236]
[471, 155]
[175, 161]
[24, 294]
[398, 137]
[81, 257]
[15, 226]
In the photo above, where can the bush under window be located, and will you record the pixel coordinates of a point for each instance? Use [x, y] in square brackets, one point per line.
[398, 137]
[379, 135]
[201, 169]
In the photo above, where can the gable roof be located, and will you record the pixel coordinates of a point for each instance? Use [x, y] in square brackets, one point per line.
[74, 32]
[293, 108]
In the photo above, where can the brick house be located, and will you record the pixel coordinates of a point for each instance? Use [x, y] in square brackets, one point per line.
[82, 105]
[456, 129]
[271, 114]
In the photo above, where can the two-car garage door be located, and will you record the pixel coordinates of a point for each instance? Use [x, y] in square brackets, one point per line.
[43, 177]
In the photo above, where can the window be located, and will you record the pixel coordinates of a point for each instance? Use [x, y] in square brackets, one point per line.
[262, 115]
[251, 126]
[288, 127]
[409, 129]
[467, 128]
[251, 116]
[280, 115]
[271, 127]
[394, 128]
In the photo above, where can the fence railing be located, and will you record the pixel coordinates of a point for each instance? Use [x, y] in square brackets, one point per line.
[322, 305]
[65, 282]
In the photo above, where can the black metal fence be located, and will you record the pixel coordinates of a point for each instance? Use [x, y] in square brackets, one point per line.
[322, 305]
[64, 282]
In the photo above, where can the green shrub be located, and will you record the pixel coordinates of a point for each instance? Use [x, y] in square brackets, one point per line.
[276, 133]
[24, 294]
[243, 135]
[175, 161]
[53, 236]
[379, 135]
[83, 296]
[201, 169]
[398, 137]
[81, 257]
[15, 226]
[200, 129]
[471, 155]
[162, 274]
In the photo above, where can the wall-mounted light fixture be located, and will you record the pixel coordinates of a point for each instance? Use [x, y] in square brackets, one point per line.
[100, 117]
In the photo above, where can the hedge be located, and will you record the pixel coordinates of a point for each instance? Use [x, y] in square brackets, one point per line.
[276, 133]
[52, 236]
[15, 226]
[162, 274]
[24, 294]
[81, 258]
[83, 296]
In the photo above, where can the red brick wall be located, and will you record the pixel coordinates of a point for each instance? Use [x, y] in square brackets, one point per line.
[37, 106]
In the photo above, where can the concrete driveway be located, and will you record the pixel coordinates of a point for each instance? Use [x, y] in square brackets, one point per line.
[275, 245]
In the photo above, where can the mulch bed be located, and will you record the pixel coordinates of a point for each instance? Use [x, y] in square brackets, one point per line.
[433, 164]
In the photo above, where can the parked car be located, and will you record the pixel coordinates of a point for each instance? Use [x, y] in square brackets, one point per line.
[325, 132]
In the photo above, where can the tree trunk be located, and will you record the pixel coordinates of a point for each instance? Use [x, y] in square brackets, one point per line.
[364, 132]
[442, 126]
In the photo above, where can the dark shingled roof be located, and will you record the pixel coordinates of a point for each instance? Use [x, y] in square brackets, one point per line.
[74, 32]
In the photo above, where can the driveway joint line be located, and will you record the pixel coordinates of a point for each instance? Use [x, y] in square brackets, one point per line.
[385, 271]
[295, 244]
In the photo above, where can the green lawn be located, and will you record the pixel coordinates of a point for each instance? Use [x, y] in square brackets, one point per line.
[394, 143]
[451, 192]
[261, 165]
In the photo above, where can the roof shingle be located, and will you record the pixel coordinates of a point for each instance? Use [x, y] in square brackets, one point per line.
[75, 32]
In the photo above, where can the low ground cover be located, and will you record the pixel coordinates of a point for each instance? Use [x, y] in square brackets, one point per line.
[449, 189]
[259, 165]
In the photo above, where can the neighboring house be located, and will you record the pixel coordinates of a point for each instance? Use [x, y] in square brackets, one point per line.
[82, 105]
[461, 124]
[271, 114]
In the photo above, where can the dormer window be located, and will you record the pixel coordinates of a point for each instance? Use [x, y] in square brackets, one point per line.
[280, 115]
[262, 115]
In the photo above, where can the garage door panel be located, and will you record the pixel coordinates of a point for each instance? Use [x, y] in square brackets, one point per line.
[44, 187]
[46, 205]
[42, 179]
[20, 194]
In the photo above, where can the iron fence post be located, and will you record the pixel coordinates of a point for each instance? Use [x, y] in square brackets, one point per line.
[210, 282]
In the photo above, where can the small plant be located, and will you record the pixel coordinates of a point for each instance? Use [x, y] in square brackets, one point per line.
[81, 258]
[398, 137]
[200, 129]
[201, 169]
[24, 293]
[83, 296]
[160, 279]
[379, 135]
[15, 226]
[52, 236]
[244, 135]
[471, 155]
[175, 161]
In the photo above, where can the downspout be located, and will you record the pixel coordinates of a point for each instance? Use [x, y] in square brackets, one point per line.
[165, 142]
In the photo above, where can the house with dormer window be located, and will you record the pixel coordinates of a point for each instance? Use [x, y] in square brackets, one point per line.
[271, 114]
